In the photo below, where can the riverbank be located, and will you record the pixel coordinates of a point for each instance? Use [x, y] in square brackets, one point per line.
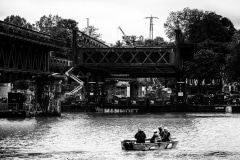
[152, 109]
[127, 109]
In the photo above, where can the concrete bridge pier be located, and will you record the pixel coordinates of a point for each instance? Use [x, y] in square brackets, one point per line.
[48, 95]
[134, 87]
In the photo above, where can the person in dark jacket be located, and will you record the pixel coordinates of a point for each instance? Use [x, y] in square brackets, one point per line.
[155, 138]
[166, 135]
[160, 131]
[140, 136]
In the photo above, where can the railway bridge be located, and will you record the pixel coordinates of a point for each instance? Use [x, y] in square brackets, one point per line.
[127, 64]
[133, 62]
[25, 54]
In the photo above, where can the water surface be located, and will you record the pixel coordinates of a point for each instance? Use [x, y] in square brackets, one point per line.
[98, 136]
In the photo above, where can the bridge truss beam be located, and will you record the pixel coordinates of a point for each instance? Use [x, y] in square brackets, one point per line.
[21, 58]
[128, 62]
[24, 53]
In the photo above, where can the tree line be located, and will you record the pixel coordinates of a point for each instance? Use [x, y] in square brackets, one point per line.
[218, 50]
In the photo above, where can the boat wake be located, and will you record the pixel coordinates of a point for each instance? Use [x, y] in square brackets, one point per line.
[40, 155]
[212, 154]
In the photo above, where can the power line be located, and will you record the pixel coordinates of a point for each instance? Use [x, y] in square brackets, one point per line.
[151, 26]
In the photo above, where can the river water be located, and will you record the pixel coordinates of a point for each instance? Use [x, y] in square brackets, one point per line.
[97, 136]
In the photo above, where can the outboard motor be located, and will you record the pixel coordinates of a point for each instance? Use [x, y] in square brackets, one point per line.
[128, 145]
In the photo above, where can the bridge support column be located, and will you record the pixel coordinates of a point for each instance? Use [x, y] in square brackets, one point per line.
[48, 96]
[181, 90]
[133, 90]
[96, 90]
[38, 95]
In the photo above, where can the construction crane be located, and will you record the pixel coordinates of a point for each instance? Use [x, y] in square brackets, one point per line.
[126, 38]
[151, 26]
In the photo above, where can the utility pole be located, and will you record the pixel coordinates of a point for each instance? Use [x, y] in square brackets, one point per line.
[151, 26]
[88, 26]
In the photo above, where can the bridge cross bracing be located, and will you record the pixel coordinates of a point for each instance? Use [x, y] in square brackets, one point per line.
[132, 62]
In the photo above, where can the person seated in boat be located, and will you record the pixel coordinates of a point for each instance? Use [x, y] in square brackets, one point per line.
[140, 136]
[166, 135]
[160, 132]
[155, 138]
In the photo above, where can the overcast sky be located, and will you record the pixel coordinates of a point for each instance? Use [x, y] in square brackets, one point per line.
[108, 15]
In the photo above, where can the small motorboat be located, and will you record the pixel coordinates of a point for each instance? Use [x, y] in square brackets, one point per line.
[132, 145]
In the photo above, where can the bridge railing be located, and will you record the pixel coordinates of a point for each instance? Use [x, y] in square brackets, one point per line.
[14, 31]
[85, 41]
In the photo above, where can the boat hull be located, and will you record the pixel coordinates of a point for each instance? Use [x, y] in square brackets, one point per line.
[132, 145]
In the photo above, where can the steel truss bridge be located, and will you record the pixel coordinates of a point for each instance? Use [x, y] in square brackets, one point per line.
[133, 62]
[128, 62]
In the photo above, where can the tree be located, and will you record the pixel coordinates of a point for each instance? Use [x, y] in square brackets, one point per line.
[211, 27]
[46, 24]
[233, 59]
[19, 21]
[92, 32]
[182, 20]
[57, 28]
[198, 26]
[66, 26]
[211, 32]
[157, 42]
[204, 66]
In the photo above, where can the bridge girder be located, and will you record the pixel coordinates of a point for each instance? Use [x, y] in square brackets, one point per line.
[128, 62]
